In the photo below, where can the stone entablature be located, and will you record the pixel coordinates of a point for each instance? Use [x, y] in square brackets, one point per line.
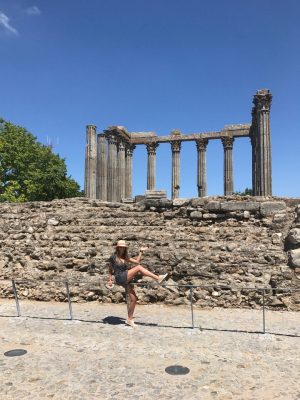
[108, 161]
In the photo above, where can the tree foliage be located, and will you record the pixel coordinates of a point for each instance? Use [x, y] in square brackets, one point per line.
[246, 192]
[30, 171]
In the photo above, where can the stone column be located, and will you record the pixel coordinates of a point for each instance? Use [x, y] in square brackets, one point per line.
[176, 146]
[201, 166]
[254, 144]
[90, 162]
[128, 169]
[151, 170]
[262, 104]
[121, 171]
[254, 163]
[101, 168]
[228, 172]
[112, 168]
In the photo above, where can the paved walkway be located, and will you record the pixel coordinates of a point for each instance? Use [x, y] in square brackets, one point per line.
[96, 356]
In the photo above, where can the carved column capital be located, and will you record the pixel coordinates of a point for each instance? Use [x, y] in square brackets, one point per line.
[227, 142]
[175, 146]
[129, 150]
[121, 146]
[151, 148]
[201, 144]
[111, 138]
[262, 100]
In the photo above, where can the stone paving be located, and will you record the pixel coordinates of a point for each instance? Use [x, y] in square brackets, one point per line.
[96, 356]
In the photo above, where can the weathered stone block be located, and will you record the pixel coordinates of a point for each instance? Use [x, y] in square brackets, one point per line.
[198, 202]
[272, 207]
[196, 215]
[239, 206]
[278, 218]
[155, 194]
[294, 236]
[139, 198]
[213, 206]
[181, 202]
[113, 205]
[158, 203]
[210, 216]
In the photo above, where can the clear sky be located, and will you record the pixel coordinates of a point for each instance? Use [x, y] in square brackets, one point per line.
[155, 65]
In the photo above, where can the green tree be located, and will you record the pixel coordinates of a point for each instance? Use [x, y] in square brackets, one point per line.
[29, 171]
[246, 192]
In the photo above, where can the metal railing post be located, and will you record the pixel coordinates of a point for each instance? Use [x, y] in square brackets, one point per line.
[192, 310]
[69, 299]
[264, 316]
[16, 297]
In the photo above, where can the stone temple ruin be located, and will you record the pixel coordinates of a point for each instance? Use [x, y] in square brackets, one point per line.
[108, 157]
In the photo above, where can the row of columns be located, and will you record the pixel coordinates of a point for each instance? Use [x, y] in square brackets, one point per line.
[108, 162]
[201, 145]
[108, 167]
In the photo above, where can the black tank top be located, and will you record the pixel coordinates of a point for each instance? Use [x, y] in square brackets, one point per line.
[117, 266]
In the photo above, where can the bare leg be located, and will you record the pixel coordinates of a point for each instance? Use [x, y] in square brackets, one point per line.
[133, 271]
[133, 300]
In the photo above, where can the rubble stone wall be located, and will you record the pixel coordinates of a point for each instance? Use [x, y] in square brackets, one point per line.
[230, 244]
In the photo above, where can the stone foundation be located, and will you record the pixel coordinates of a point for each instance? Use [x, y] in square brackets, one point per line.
[216, 241]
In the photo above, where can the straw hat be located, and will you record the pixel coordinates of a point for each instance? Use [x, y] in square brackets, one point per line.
[121, 243]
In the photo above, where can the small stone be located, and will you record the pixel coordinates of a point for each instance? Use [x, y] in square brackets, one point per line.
[279, 218]
[294, 258]
[210, 216]
[247, 214]
[276, 238]
[52, 221]
[179, 202]
[196, 215]
[294, 236]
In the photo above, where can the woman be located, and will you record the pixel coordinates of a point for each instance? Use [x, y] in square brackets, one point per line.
[124, 274]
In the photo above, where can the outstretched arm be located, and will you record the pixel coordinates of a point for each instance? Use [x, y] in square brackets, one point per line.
[137, 259]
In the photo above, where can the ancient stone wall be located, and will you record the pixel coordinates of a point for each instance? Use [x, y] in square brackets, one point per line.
[240, 242]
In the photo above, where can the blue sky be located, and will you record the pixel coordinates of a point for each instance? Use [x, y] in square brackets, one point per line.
[155, 65]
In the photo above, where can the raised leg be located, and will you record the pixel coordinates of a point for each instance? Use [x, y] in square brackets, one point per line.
[133, 271]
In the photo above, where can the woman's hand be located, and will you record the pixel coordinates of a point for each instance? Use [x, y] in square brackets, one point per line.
[110, 283]
[142, 249]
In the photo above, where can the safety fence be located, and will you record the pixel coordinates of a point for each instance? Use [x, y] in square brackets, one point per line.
[263, 291]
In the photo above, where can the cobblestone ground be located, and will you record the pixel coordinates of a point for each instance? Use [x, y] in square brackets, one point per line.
[96, 356]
